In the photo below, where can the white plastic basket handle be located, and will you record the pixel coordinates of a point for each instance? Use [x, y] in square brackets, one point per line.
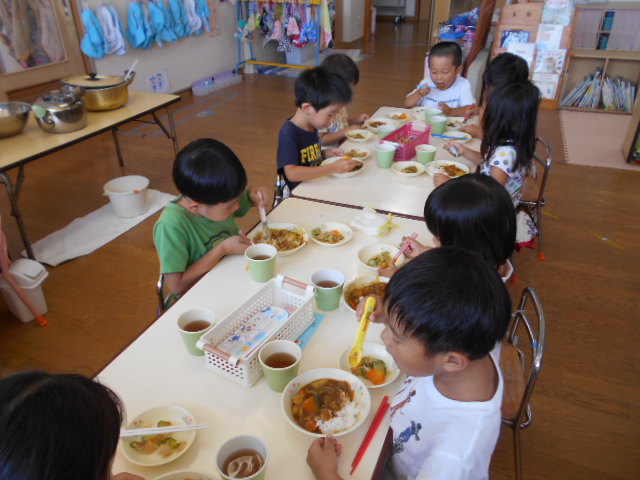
[296, 283]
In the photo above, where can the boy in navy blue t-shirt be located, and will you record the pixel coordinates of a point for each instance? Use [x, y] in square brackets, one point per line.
[320, 95]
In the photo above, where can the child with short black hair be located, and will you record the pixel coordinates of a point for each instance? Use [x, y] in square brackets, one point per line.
[197, 229]
[473, 212]
[503, 69]
[343, 65]
[320, 95]
[509, 137]
[444, 312]
[58, 427]
[444, 87]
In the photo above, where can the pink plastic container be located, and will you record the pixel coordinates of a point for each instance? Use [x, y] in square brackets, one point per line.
[415, 134]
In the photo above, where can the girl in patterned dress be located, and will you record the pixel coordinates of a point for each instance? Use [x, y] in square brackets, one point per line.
[509, 127]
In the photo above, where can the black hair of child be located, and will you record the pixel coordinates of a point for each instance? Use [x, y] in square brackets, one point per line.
[321, 88]
[343, 65]
[57, 427]
[505, 68]
[207, 171]
[449, 299]
[510, 118]
[473, 212]
[447, 49]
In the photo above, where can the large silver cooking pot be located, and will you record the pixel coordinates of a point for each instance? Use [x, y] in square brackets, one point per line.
[60, 112]
[102, 92]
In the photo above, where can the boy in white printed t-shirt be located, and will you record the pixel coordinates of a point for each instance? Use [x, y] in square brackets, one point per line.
[444, 87]
[444, 312]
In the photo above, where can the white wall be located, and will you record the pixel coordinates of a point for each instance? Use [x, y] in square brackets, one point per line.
[187, 60]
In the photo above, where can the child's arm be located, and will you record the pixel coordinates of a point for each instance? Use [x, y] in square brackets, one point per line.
[322, 458]
[471, 155]
[414, 97]
[298, 173]
[267, 195]
[453, 112]
[335, 137]
[473, 130]
[179, 282]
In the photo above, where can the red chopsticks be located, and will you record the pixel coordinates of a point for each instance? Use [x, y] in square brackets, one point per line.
[377, 420]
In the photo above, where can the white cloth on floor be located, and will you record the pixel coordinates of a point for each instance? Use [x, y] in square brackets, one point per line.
[88, 233]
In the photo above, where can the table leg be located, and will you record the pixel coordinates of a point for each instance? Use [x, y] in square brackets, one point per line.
[13, 190]
[114, 132]
[172, 129]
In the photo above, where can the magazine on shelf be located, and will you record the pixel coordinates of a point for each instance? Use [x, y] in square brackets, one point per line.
[514, 36]
[525, 50]
[558, 12]
[549, 37]
[547, 83]
[550, 61]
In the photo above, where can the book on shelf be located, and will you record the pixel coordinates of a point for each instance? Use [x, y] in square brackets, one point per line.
[550, 61]
[549, 36]
[547, 83]
[525, 50]
[558, 12]
[602, 91]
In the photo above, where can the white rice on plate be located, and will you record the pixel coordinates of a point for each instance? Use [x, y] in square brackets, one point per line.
[343, 420]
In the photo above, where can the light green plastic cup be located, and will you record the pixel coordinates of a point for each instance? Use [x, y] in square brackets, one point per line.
[261, 261]
[430, 112]
[438, 124]
[237, 444]
[328, 285]
[278, 376]
[385, 154]
[385, 130]
[425, 153]
[192, 324]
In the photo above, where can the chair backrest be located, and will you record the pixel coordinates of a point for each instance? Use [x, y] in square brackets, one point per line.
[165, 300]
[521, 358]
[534, 194]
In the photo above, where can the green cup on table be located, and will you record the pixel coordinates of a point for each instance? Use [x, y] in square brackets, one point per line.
[280, 360]
[386, 129]
[385, 154]
[328, 284]
[192, 324]
[438, 124]
[430, 112]
[425, 153]
[261, 261]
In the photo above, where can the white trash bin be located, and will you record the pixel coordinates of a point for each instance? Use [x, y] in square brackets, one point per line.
[29, 275]
[128, 195]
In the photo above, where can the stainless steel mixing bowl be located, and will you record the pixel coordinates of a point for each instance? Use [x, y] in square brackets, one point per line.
[13, 117]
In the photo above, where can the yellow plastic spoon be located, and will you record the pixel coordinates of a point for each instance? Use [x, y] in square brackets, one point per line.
[355, 355]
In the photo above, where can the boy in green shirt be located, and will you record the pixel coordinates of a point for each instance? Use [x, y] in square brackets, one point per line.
[197, 229]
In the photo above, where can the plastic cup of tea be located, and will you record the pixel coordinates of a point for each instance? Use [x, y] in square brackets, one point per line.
[430, 112]
[280, 360]
[385, 154]
[192, 324]
[385, 129]
[328, 285]
[438, 124]
[241, 455]
[261, 261]
[425, 153]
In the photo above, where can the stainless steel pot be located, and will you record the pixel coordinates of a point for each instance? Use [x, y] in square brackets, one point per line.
[60, 112]
[13, 117]
[102, 92]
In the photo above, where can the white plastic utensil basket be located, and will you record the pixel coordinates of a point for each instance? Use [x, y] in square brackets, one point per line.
[248, 370]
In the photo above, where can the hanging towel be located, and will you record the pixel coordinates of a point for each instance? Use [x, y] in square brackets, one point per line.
[176, 8]
[193, 20]
[94, 43]
[110, 27]
[138, 32]
[202, 9]
[156, 22]
[326, 23]
[167, 34]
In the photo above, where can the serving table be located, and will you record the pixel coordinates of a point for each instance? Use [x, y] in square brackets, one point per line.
[157, 370]
[34, 143]
[380, 188]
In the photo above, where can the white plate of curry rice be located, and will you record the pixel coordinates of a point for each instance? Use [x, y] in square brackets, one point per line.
[288, 238]
[351, 173]
[372, 354]
[454, 123]
[447, 167]
[400, 117]
[408, 169]
[360, 135]
[373, 124]
[357, 153]
[331, 234]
